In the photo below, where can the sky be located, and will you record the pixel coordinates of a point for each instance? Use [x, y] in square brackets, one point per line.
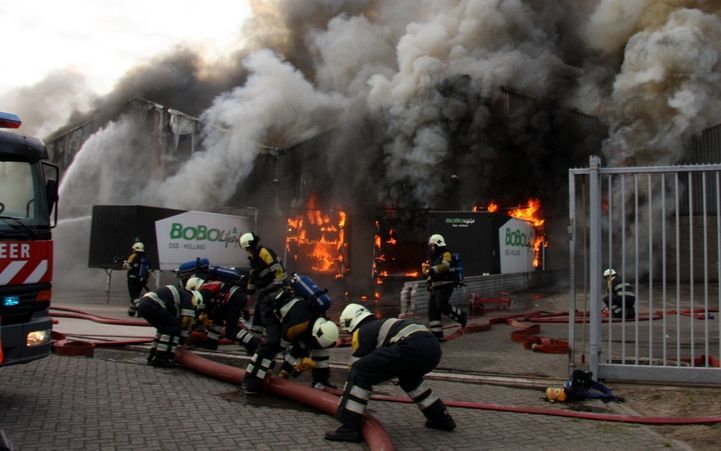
[102, 40]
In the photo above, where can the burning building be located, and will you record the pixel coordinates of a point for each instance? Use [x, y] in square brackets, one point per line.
[326, 201]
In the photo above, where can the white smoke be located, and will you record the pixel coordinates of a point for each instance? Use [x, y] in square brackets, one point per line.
[668, 89]
[48, 104]
[277, 105]
[112, 167]
[649, 68]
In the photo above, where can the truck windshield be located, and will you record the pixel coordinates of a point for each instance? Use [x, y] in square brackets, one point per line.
[22, 197]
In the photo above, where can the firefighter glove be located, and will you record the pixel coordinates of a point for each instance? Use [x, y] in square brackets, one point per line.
[304, 364]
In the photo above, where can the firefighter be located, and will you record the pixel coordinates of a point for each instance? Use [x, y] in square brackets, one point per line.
[138, 266]
[307, 338]
[173, 311]
[384, 349]
[230, 305]
[623, 299]
[440, 285]
[267, 277]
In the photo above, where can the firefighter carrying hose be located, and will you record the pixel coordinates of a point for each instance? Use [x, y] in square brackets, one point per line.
[138, 266]
[440, 284]
[622, 298]
[306, 336]
[384, 349]
[173, 311]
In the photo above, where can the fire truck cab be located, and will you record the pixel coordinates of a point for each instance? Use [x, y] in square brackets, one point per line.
[28, 196]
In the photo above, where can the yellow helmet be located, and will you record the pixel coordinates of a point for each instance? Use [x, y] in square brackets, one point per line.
[556, 394]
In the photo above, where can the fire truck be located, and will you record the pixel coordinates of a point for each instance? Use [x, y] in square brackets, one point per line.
[28, 198]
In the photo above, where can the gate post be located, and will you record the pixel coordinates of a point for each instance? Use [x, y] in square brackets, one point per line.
[595, 262]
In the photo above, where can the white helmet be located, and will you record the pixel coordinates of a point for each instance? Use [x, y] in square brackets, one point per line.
[609, 273]
[248, 240]
[325, 332]
[199, 301]
[437, 240]
[194, 283]
[352, 315]
[139, 247]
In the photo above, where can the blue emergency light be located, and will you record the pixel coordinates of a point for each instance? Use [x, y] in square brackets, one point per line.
[11, 301]
[9, 120]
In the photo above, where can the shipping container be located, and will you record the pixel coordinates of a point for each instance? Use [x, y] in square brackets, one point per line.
[489, 243]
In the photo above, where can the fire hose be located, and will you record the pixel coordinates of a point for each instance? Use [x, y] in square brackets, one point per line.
[373, 432]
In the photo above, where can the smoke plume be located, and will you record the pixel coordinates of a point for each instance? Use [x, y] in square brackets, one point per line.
[421, 75]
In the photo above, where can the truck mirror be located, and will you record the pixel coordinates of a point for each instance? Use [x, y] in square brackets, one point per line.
[51, 190]
[52, 175]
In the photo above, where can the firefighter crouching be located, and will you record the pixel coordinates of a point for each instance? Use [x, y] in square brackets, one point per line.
[385, 349]
[173, 312]
[307, 338]
[622, 302]
[440, 285]
[226, 313]
[305, 335]
[266, 278]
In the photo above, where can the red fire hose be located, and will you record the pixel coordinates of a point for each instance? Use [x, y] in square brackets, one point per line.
[375, 435]
[558, 412]
[373, 431]
[68, 312]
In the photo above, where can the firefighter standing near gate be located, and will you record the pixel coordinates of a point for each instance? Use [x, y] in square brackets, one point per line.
[173, 311]
[438, 269]
[306, 336]
[267, 277]
[384, 349]
[138, 266]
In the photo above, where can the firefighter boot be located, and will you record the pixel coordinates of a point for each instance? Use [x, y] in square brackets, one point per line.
[209, 344]
[252, 385]
[151, 355]
[163, 359]
[349, 431]
[438, 417]
[132, 309]
[463, 319]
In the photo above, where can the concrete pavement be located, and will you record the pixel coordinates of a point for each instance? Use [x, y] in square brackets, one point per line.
[114, 401]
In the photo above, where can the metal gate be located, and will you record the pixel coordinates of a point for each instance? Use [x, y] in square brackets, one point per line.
[659, 229]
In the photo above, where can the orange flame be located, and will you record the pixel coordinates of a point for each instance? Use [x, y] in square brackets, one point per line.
[529, 213]
[532, 213]
[492, 207]
[318, 239]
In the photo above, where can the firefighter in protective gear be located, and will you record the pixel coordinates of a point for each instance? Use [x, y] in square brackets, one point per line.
[229, 306]
[138, 266]
[173, 311]
[384, 349]
[440, 285]
[266, 279]
[306, 336]
[622, 298]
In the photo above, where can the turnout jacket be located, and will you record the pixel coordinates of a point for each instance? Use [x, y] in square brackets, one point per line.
[440, 264]
[178, 302]
[265, 269]
[374, 334]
